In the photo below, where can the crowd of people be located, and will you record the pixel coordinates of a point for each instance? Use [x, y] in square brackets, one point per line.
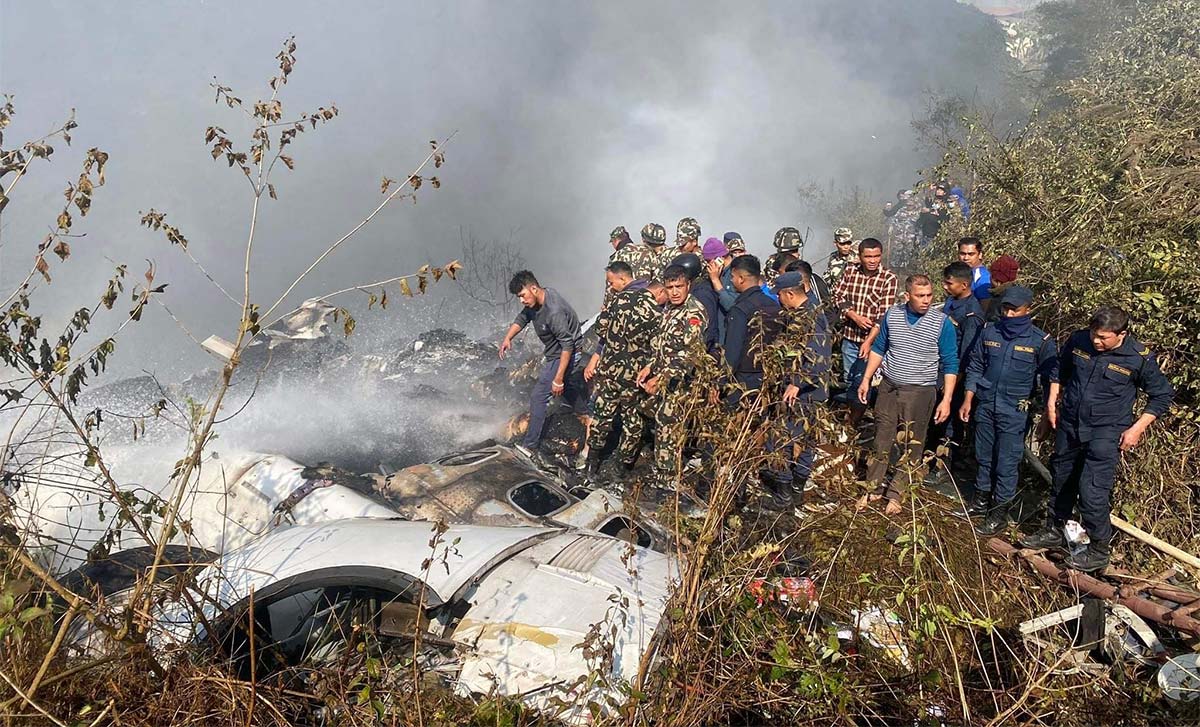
[969, 370]
[915, 218]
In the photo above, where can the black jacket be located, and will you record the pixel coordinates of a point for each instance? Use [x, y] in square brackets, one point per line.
[753, 312]
[702, 291]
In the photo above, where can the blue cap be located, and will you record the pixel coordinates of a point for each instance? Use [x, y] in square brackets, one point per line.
[1017, 296]
[788, 280]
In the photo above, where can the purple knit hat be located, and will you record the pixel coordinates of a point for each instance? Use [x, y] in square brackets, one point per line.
[713, 249]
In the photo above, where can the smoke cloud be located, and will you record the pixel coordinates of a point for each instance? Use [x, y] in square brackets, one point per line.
[572, 118]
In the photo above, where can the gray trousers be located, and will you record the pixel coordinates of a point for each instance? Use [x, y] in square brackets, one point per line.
[902, 414]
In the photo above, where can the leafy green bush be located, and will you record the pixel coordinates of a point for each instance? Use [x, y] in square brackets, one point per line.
[1098, 200]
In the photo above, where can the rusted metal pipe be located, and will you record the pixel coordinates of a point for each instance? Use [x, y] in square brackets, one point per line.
[1087, 584]
[1155, 587]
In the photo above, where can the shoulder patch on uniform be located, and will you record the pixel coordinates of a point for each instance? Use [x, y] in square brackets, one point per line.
[693, 321]
[1081, 354]
[1141, 349]
[1120, 369]
[1024, 349]
[993, 344]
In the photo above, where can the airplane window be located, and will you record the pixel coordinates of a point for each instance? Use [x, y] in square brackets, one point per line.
[536, 499]
[466, 459]
[623, 529]
[314, 625]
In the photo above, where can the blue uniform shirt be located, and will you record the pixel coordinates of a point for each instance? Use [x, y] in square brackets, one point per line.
[1100, 388]
[738, 337]
[1003, 372]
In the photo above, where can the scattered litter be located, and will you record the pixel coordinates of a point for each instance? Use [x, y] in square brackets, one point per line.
[881, 630]
[1077, 537]
[1179, 678]
[795, 593]
[1127, 635]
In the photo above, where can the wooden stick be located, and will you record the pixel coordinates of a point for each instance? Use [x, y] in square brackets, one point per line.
[1156, 543]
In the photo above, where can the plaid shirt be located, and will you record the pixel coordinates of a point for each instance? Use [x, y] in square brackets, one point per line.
[867, 295]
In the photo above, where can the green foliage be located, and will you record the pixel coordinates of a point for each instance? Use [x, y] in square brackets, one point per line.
[1099, 200]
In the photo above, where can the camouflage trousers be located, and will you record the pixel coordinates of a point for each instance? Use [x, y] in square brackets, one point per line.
[668, 408]
[612, 400]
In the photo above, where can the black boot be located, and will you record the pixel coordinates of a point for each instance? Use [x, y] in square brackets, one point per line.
[1049, 536]
[797, 497]
[1092, 558]
[996, 520]
[776, 495]
[977, 504]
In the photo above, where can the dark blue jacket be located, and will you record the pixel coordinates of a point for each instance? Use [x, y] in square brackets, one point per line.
[1100, 388]
[1003, 373]
[813, 380]
[702, 291]
[752, 311]
[968, 317]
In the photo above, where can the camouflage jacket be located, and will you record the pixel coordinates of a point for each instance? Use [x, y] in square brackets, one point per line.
[627, 326]
[680, 338]
[837, 266]
[768, 273]
[665, 254]
[642, 258]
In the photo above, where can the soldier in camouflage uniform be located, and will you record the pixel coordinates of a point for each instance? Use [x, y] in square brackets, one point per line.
[626, 328]
[843, 254]
[687, 236]
[640, 256]
[680, 338]
[787, 241]
[654, 236]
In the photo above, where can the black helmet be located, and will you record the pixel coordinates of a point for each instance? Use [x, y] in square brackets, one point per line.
[689, 262]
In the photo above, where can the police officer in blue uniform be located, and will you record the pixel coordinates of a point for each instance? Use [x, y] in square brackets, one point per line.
[806, 385]
[1006, 363]
[1101, 371]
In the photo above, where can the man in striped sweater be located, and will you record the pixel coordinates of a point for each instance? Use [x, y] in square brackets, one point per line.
[911, 344]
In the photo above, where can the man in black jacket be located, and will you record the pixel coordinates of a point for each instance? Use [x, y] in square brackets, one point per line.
[750, 323]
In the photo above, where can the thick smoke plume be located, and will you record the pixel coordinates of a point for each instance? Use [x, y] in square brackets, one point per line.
[572, 119]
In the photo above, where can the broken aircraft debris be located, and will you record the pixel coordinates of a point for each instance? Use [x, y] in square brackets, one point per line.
[496, 610]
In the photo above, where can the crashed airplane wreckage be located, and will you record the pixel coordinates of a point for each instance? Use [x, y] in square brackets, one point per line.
[501, 610]
[503, 602]
[510, 599]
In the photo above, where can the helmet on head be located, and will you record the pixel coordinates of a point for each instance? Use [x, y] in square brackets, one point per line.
[788, 239]
[654, 234]
[842, 234]
[618, 231]
[688, 229]
[689, 262]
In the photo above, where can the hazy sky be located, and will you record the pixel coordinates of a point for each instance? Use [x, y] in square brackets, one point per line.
[571, 117]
